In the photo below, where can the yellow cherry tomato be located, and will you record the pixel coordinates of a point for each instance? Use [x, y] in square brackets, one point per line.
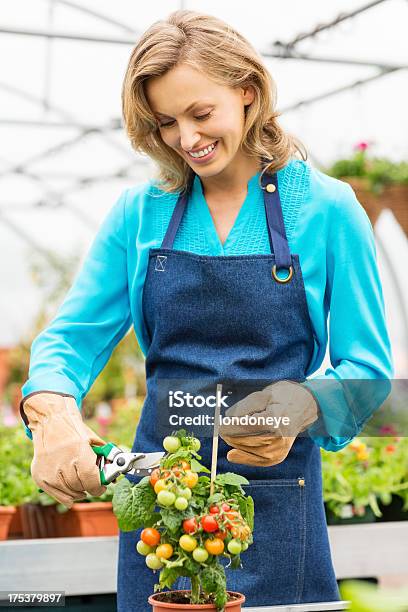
[164, 551]
[190, 479]
[160, 486]
[187, 542]
[215, 546]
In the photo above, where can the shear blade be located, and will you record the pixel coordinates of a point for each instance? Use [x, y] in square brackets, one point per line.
[149, 461]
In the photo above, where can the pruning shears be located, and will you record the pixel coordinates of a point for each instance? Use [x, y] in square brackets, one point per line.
[113, 461]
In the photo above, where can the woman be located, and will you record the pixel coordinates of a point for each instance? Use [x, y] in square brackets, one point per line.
[205, 262]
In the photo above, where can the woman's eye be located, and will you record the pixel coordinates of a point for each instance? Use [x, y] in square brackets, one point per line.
[199, 118]
[164, 125]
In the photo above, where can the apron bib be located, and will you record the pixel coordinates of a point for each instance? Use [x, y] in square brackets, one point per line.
[226, 318]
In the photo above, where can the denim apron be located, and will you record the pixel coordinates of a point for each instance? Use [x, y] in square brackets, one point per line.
[229, 318]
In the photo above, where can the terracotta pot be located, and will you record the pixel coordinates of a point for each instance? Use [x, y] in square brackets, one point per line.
[6, 514]
[162, 606]
[39, 521]
[394, 197]
[16, 527]
[88, 519]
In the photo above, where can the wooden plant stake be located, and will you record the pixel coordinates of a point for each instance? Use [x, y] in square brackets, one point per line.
[215, 438]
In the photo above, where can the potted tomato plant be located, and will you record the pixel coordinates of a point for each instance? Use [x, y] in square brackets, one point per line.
[189, 526]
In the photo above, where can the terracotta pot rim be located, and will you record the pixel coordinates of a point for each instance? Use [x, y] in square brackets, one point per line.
[173, 606]
[91, 506]
[7, 509]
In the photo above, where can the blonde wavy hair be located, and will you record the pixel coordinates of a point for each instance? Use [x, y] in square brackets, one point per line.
[212, 46]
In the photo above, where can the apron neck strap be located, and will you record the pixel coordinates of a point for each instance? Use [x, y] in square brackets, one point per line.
[274, 217]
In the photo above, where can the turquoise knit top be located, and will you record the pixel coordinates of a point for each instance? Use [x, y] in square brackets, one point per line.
[326, 226]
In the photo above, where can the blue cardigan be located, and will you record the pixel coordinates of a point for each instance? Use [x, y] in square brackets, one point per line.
[326, 226]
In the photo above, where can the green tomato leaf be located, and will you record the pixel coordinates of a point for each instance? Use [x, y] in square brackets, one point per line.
[213, 580]
[171, 518]
[214, 499]
[229, 478]
[196, 466]
[133, 505]
[168, 577]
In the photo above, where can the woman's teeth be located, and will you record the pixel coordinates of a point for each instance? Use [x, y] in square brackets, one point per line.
[203, 152]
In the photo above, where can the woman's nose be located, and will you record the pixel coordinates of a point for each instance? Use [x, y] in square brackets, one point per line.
[188, 138]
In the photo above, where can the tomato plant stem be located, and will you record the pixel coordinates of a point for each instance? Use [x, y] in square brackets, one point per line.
[195, 589]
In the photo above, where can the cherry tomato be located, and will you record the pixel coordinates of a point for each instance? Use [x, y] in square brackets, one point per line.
[200, 555]
[215, 546]
[188, 543]
[150, 536]
[153, 562]
[214, 510]
[166, 498]
[190, 479]
[232, 516]
[160, 486]
[154, 476]
[225, 507]
[143, 549]
[181, 503]
[171, 444]
[209, 524]
[190, 525]
[220, 534]
[185, 493]
[234, 547]
[180, 468]
[164, 551]
[244, 546]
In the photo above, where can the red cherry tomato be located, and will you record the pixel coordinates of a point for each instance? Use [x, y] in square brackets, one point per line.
[208, 523]
[190, 525]
[232, 516]
[221, 535]
[225, 507]
[214, 510]
[150, 536]
[155, 476]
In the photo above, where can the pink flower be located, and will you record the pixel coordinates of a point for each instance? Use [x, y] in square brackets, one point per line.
[388, 430]
[361, 146]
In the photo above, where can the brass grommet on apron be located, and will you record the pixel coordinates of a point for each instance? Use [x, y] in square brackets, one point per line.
[282, 280]
[270, 187]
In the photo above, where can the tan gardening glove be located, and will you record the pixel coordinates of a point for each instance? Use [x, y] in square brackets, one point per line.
[266, 445]
[64, 464]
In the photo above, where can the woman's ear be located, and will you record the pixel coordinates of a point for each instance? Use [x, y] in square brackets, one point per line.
[248, 94]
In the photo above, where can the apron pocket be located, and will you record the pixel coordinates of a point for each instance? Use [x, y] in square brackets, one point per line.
[273, 566]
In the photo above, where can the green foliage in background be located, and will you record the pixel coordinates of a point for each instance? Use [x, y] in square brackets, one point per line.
[366, 597]
[364, 473]
[122, 429]
[378, 171]
[16, 484]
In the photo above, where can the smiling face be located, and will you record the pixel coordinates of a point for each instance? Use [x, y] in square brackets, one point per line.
[194, 113]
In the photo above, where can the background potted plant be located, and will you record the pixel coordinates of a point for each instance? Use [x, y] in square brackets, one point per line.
[187, 529]
[92, 516]
[16, 484]
[361, 479]
[378, 182]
